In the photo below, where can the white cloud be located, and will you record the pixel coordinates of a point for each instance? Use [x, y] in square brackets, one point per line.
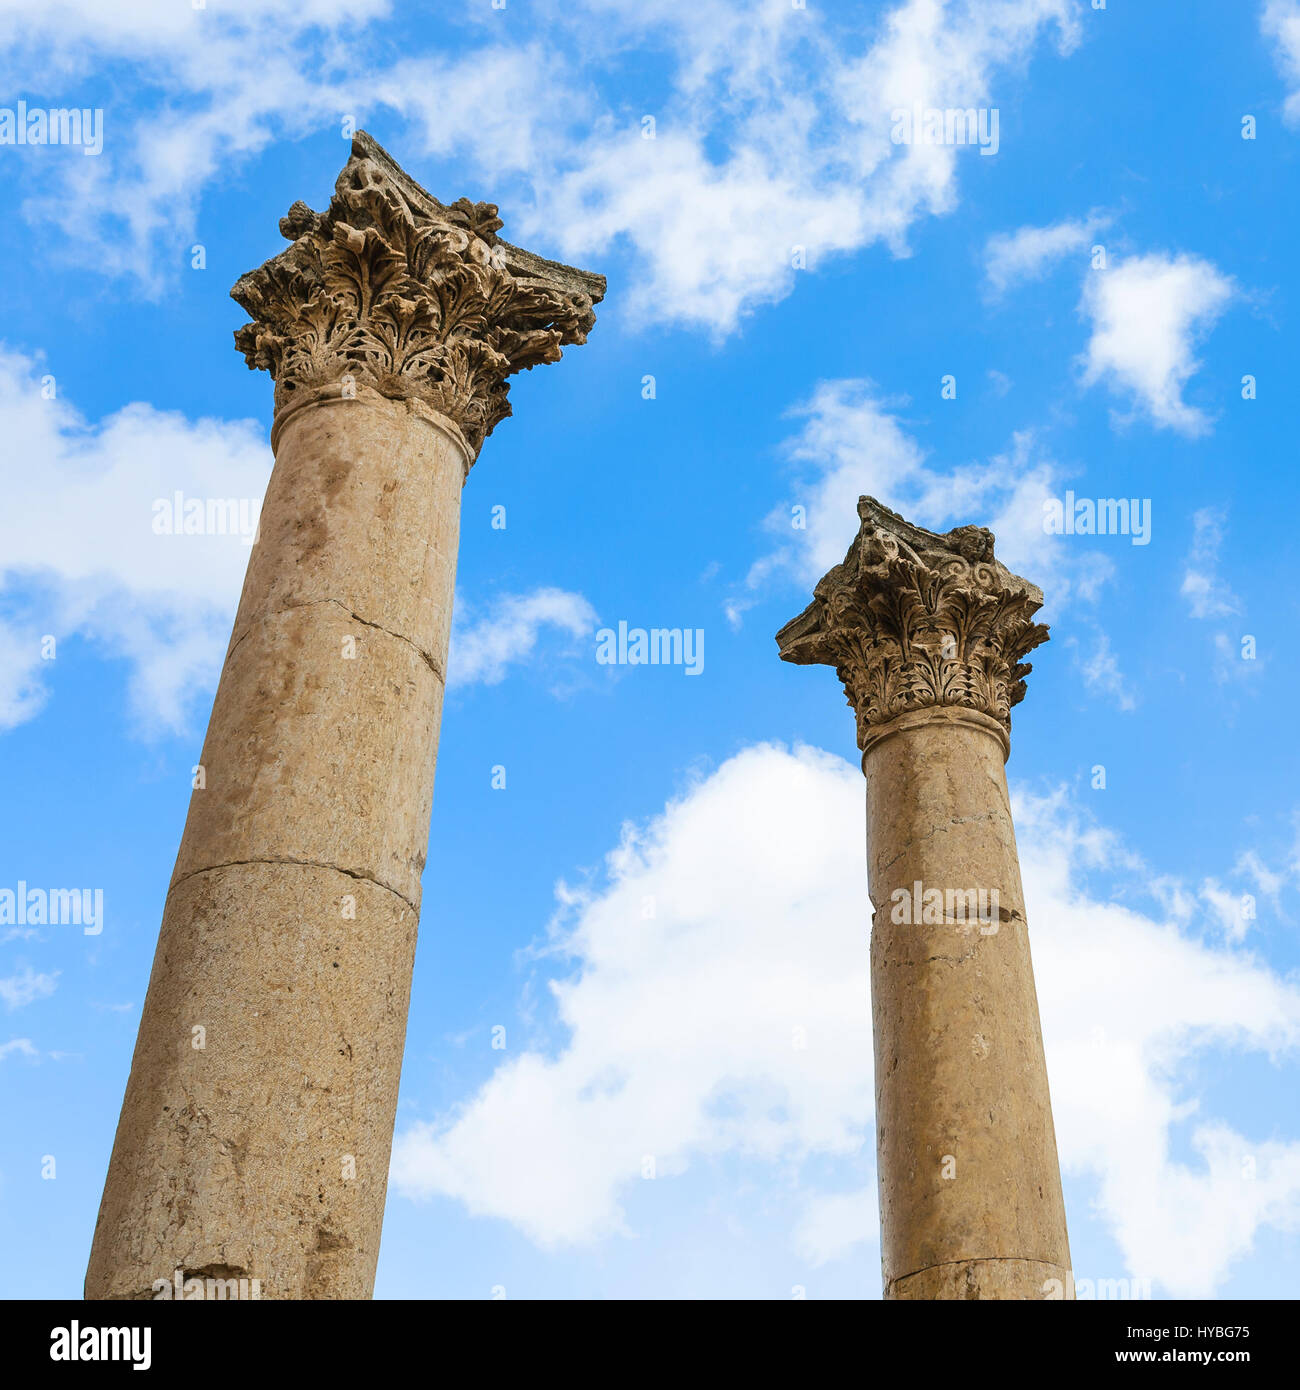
[1147, 315]
[1233, 663]
[1121, 1040]
[804, 120]
[17, 991]
[733, 921]
[681, 1034]
[1206, 593]
[22, 693]
[1101, 673]
[1265, 879]
[732, 251]
[853, 442]
[835, 1223]
[1229, 909]
[1280, 21]
[186, 104]
[1000, 381]
[483, 647]
[1209, 596]
[772, 131]
[1011, 258]
[79, 555]
[23, 1047]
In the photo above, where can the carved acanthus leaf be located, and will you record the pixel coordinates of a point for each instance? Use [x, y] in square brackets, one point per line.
[913, 619]
[395, 291]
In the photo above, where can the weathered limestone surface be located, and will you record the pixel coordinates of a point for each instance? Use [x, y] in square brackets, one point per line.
[255, 1133]
[313, 755]
[1007, 1280]
[927, 633]
[231, 1161]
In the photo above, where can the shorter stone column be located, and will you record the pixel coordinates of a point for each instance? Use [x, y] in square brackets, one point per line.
[927, 633]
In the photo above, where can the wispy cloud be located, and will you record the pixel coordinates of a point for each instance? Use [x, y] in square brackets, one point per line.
[1280, 21]
[17, 991]
[854, 441]
[1207, 595]
[484, 646]
[771, 134]
[1101, 674]
[1012, 258]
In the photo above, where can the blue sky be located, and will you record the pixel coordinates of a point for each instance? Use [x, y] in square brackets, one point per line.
[1163, 906]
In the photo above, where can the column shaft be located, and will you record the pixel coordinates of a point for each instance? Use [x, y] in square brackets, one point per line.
[970, 1193]
[258, 1119]
[928, 633]
[255, 1133]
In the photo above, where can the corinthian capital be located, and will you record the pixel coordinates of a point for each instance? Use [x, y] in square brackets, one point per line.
[914, 620]
[395, 291]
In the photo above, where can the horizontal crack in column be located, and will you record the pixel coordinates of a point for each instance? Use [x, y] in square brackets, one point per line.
[974, 1260]
[299, 863]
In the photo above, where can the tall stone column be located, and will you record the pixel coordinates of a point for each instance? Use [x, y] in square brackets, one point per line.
[255, 1134]
[927, 633]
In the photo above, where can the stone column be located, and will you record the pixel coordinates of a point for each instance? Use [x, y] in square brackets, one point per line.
[255, 1134]
[927, 633]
